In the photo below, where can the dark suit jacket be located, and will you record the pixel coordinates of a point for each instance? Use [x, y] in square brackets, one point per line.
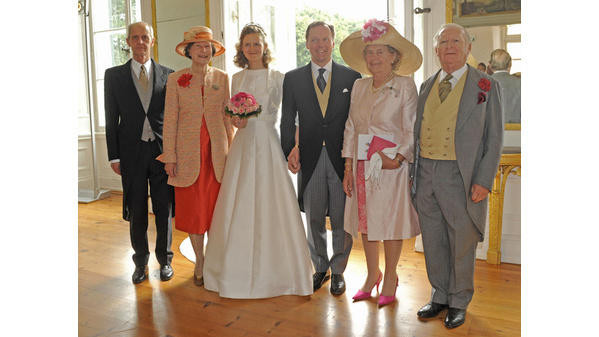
[478, 138]
[299, 98]
[125, 117]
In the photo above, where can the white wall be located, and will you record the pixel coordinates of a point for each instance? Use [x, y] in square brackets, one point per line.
[173, 18]
[485, 40]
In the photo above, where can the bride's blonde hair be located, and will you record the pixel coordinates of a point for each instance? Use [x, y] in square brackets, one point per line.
[251, 28]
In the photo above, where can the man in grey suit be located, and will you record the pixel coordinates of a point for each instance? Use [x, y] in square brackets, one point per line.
[458, 136]
[501, 63]
[318, 94]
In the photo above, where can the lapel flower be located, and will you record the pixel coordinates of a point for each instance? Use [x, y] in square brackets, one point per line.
[484, 84]
[215, 87]
[184, 80]
[482, 97]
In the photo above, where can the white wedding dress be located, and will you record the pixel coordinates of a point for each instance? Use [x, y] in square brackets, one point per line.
[257, 244]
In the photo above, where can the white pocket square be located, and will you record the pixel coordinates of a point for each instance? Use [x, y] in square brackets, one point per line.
[345, 90]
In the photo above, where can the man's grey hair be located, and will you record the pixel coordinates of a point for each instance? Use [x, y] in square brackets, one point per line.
[451, 25]
[148, 27]
[500, 59]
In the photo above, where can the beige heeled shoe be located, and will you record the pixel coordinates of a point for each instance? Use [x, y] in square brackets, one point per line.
[198, 281]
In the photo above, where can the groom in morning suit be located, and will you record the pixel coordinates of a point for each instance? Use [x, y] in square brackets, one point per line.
[318, 96]
[458, 136]
[134, 103]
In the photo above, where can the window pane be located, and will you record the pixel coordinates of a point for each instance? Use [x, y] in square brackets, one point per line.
[513, 29]
[109, 14]
[101, 122]
[110, 49]
[515, 49]
[516, 66]
[135, 11]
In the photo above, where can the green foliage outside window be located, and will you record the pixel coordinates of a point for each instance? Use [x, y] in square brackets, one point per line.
[343, 27]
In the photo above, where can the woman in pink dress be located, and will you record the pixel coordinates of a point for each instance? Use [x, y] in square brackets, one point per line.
[378, 204]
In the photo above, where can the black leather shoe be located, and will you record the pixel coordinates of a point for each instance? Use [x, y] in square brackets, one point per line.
[455, 317]
[318, 279]
[166, 272]
[140, 274]
[337, 284]
[431, 310]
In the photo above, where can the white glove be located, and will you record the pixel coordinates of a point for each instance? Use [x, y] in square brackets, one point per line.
[376, 166]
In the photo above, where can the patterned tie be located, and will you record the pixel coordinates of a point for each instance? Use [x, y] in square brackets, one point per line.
[445, 87]
[143, 77]
[320, 81]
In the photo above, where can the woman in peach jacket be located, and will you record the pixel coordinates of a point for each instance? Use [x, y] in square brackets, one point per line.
[197, 136]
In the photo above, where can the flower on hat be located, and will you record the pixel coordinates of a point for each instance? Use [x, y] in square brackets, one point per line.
[373, 29]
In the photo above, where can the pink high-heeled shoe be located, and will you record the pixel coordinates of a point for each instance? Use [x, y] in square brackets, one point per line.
[384, 300]
[362, 295]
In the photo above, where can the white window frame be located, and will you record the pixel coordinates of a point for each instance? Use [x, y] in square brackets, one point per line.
[94, 76]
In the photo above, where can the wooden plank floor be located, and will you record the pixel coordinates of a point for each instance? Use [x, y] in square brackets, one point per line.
[110, 305]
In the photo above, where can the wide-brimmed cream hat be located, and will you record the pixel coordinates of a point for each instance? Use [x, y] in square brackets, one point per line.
[197, 34]
[379, 32]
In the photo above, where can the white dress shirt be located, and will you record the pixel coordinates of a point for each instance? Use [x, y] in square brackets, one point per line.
[136, 68]
[456, 75]
[328, 67]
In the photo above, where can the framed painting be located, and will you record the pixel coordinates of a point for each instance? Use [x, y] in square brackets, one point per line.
[472, 13]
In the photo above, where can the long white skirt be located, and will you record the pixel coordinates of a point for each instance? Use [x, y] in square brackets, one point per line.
[257, 244]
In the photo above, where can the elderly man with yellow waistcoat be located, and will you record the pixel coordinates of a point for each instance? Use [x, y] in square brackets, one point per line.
[458, 139]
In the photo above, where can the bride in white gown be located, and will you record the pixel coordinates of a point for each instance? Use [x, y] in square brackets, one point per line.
[257, 244]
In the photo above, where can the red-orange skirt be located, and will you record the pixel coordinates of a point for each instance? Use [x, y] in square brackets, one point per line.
[194, 205]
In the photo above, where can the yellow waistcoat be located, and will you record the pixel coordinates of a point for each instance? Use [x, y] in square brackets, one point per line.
[323, 97]
[437, 132]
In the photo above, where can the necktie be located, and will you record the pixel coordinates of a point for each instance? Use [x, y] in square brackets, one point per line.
[143, 77]
[445, 87]
[320, 81]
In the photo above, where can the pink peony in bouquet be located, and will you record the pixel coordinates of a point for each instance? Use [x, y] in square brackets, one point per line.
[243, 105]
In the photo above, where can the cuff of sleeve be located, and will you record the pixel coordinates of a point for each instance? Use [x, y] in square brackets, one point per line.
[166, 158]
[115, 161]
[487, 186]
[407, 154]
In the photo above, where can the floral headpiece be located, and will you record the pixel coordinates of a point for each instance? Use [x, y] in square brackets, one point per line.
[373, 29]
[256, 27]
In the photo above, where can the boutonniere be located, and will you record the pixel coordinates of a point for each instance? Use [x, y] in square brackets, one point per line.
[345, 90]
[184, 80]
[215, 87]
[485, 85]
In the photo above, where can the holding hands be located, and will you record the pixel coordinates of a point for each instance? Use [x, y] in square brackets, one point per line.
[293, 163]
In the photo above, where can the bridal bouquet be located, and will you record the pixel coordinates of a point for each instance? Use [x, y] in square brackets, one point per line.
[243, 105]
